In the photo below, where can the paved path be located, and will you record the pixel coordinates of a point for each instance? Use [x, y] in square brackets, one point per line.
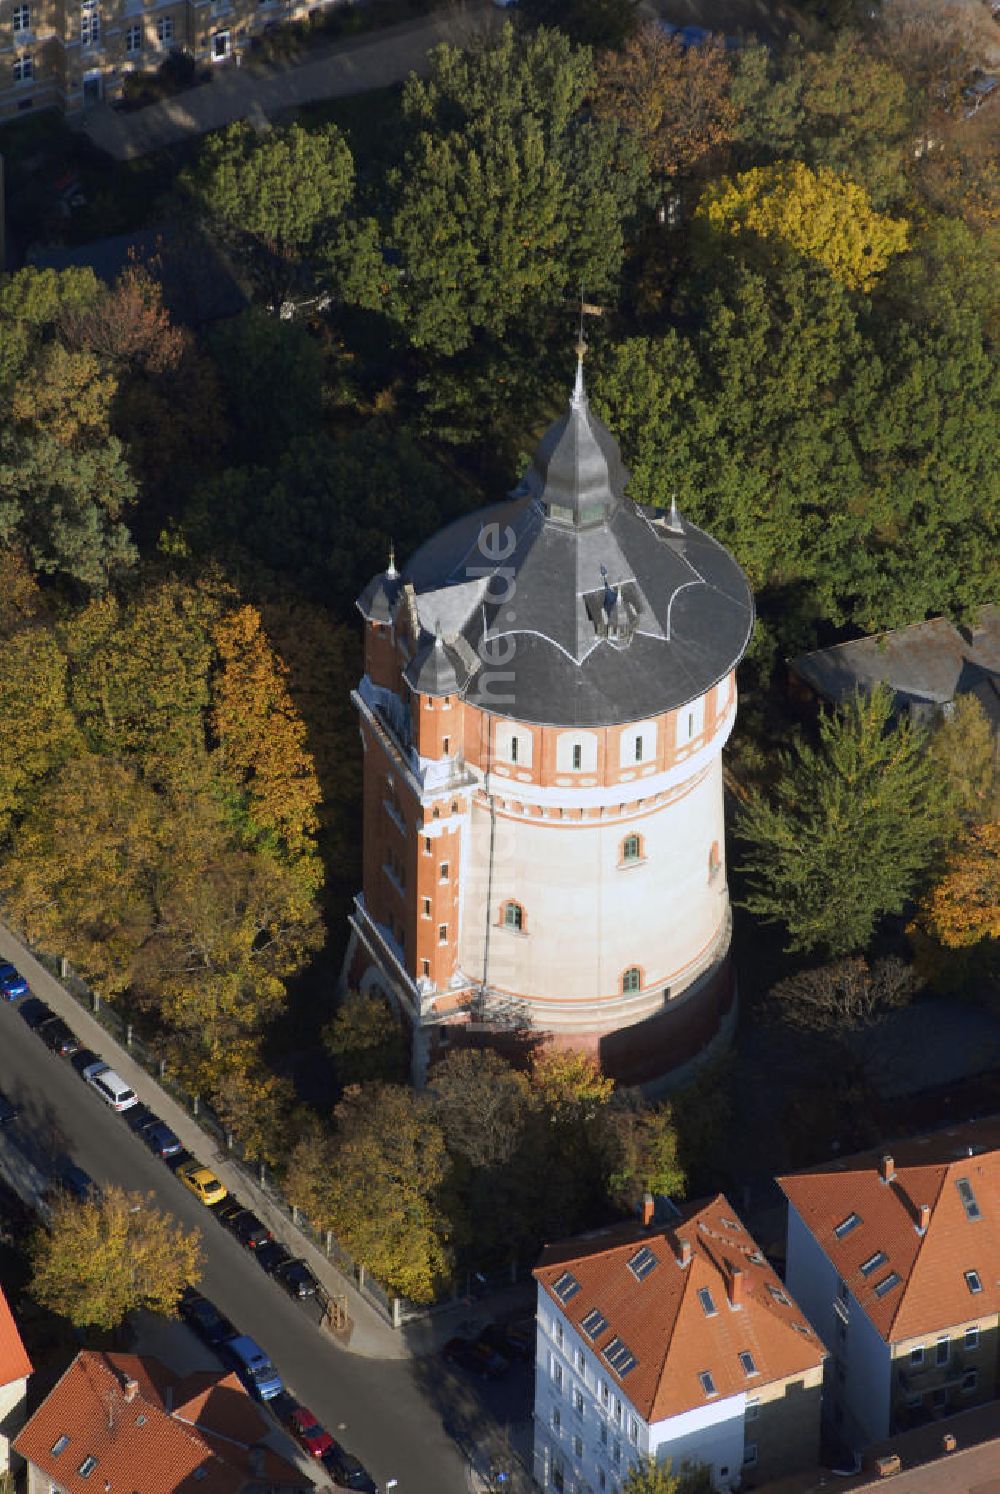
[259, 91]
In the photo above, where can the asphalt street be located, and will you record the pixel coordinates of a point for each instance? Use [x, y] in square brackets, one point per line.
[386, 1412]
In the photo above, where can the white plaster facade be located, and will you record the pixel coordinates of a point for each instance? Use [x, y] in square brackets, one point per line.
[13, 1409]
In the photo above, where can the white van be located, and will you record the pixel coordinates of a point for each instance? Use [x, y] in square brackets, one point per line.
[110, 1086]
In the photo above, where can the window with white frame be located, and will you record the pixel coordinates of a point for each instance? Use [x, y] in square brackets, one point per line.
[690, 720]
[917, 1356]
[164, 29]
[557, 1332]
[557, 1375]
[605, 1393]
[633, 1430]
[90, 23]
[752, 1408]
[616, 1452]
[21, 18]
[221, 45]
[556, 1419]
[618, 1411]
[513, 745]
[577, 1400]
[972, 1337]
[942, 1350]
[637, 744]
[576, 752]
[604, 1433]
[23, 68]
[578, 1447]
[133, 40]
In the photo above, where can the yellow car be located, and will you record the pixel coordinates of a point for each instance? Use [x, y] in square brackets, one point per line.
[202, 1182]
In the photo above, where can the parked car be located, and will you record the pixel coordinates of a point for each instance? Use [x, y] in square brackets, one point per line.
[272, 1255]
[253, 1367]
[346, 1471]
[110, 1086]
[229, 1211]
[160, 1139]
[56, 1035]
[205, 1319]
[476, 1357]
[12, 983]
[307, 1430]
[296, 1277]
[201, 1181]
[8, 1110]
[249, 1231]
[140, 1117]
[511, 1340]
[35, 1012]
[73, 1180]
[83, 1058]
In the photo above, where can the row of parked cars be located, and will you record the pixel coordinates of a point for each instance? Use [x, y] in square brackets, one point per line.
[491, 1353]
[240, 1352]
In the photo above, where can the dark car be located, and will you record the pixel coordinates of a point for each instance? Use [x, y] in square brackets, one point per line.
[56, 1035]
[160, 1139]
[249, 1231]
[83, 1058]
[229, 1211]
[272, 1255]
[346, 1471]
[476, 1357]
[72, 1180]
[8, 1110]
[296, 1277]
[12, 983]
[512, 1340]
[35, 1012]
[140, 1118]
[205, 1319]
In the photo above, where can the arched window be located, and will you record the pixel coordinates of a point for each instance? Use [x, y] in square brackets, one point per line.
[513, 916]
[631, 980]
[631, 849]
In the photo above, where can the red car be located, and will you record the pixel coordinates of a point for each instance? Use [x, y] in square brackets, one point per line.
[309, 1432]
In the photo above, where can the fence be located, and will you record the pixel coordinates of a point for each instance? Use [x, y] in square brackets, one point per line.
[394, 1310]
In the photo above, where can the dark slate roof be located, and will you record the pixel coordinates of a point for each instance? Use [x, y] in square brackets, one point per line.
[611, 619]
[197, 285]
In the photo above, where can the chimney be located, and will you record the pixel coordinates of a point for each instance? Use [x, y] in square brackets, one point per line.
[683, 1252]
[131, 1390]
[886, 1168]
[734, 1284]
[923, 1218]
[648, 1210]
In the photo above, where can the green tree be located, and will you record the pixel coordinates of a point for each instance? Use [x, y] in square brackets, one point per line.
[510, 198]
[272, 374]
[101, 1258]
[642, 1147]
[849, 831]
[33, 695]
[648, 1476]
[963, 746]
[367, 1041]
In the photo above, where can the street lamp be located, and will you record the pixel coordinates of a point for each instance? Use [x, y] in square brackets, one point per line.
[391, 1483]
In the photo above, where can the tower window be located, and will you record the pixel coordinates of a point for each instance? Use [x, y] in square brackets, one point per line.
[444, 871]
[513, 749]
[631, 849]
[425, 969]
[577, 757]
[442, 933]
[447, 746]
[631, 980]
[513, 916]
[638, 749]
[427, 907]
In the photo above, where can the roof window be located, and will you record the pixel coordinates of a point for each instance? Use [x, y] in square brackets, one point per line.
[88, 1465]
[778, 1295]
[748, 1363]
[707, 1383]
[873, 1262]
[620, 1357]
[60, 1444]
[883, 1287]
[846, 1225]
[730, 1224]
[965, 1193]
[566, 1287]
[973, 1281]
[642, 1263]
[594, 1323]
[708, 1307]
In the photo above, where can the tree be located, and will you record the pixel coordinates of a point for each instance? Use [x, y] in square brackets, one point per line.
[844, 997]
[963, 746]
[674, 100]
[367, 1041]
[849, 830]
[593, 23]
[272, 375]
[935, 44]
[100, 1258]
[34, 696]
[642, 1151]
[963, 909]
[481, 1103]
[650, 1477]
[817, 214]
[125, 325]
[569, 1084]
[391, 1163]
[510, 198]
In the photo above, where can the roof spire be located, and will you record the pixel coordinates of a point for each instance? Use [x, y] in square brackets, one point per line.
[390, 569]
[579, 392]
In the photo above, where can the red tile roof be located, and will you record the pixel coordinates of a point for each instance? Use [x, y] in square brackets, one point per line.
[138, 1443]
[933, 1292]
[14, 1361]
[662, 1321]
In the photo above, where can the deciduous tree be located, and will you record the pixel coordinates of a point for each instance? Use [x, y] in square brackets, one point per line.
[367, 1041]
[101, 1258]
[569, 1084]
[648, 1476]
[481, 1104]
[843, 997]
[33, 698]
[963, 909]
[642, 1151]
[964, 747]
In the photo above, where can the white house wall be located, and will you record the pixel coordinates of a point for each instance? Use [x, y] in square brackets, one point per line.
[711, 1434]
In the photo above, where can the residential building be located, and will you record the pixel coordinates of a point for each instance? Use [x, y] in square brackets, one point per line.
[893, 1257]
[677, 1342]
[70, 54]
[125, 1422]
[548, 687]
[15, 1367]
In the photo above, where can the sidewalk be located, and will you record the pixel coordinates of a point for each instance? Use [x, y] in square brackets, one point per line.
[259, 91]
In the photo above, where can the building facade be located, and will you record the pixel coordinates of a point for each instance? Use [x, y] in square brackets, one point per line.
[677, 1343]
[894, 1259]
[548, 687]
[70, 54]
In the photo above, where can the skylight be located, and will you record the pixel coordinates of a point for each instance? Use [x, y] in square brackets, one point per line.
[972, 1280]
[748, 1363]
[846, 1225]
[730, 1223]
[778, 1295]
[887, 1283]
[873, 1262]
[60, 1444]
[965, 1193]
[88, 1465]
[708, 1306]
[566, 1287]
[707, 1383]
[594, 1323]
[642, 1263]
[620, 1357]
